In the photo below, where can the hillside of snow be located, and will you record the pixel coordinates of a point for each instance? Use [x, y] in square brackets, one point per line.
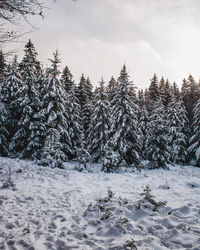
[43, 208]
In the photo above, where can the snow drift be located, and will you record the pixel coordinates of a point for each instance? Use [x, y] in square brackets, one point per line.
[43, 208]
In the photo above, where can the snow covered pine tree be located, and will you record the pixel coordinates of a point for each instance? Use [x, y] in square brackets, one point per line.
[158, 152]
[99, 126]
[56, 122]
[195, 139]
[27, 141]
[124, 144]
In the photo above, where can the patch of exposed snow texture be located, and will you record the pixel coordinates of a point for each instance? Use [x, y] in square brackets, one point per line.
[43, 208]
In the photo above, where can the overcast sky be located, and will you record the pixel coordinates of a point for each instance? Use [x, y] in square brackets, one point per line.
[96, 37]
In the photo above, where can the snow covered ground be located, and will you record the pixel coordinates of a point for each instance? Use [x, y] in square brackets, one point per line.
[64, 209]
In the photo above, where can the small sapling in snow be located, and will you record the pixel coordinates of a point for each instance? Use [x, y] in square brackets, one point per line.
[148, 200]
[9, 183]
[130, 245]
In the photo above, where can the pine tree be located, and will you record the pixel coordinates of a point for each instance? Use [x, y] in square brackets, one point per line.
[55, 115]
[9, 88]
[190, 94]
[11, 84]
[183, 155]
[178, 126]
[146, 99]
[4, 133]
[88, 106]
[175, 91]
[185, 88]
[30, 58]
[89, 88]
[157, 149]
[152, 94]
[81, 91]
[141, 99]
[67, 80]
[85, 97]
[161, 87]
[153, 91]
[125, 136]
[27, 104]
[74, 128]
[132, 93]
[74, 122]
[3, 66]
[112, 85]
[195, 139]
[167, 93]
[144, 125]
[143, 122]
[99, 126]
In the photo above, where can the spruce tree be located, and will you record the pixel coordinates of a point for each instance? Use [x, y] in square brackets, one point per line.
[4, 132]
[88, 106]
[74, 122]
[99, 126]
[56, 123]
[167, 93]
[85, 97]
[178, 126]
[67, 80]
[37, 133]
[125, 135]
[3, 66]
[194, 148]
[9, 89]
[175, 91]
[152, 94]
[27, 102]
[190, 94]
[112, 84]
[158, 152]
[141, 99]
[89, 88]
[161, 87]
[146, 99]
[30, 58]
[12, 83]
[144, 125]
[81, 91]
[153, 91]
[185, 88]
[74, 127]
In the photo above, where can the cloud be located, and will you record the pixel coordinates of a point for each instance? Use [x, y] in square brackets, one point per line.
[96, 37]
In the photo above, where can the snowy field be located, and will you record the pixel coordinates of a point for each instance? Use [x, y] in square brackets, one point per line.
[64, 209]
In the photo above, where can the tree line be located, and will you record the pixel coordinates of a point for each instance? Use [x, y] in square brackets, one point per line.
[46, 117]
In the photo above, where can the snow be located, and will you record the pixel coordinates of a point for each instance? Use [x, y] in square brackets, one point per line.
[64, 209]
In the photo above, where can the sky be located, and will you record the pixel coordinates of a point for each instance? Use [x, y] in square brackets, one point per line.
[96, 37]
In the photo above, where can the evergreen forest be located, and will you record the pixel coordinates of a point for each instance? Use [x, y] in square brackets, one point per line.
[48, 118]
